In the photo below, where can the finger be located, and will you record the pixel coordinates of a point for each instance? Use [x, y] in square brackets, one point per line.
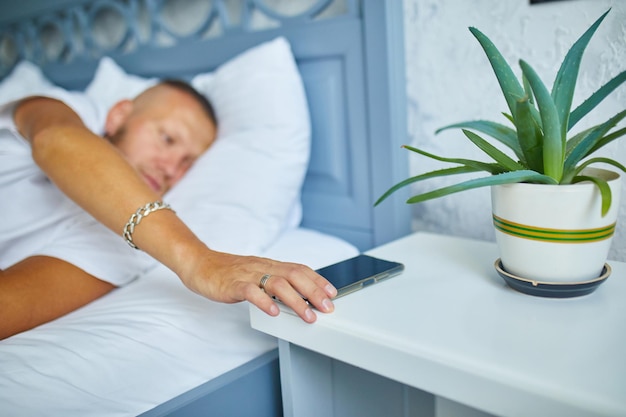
[321, 282]
[316, 297]
[263, 301]
[303, 278]
[311, 285]
[315, 289]
[281, 288]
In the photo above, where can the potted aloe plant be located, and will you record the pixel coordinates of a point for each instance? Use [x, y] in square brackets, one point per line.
[554, 215]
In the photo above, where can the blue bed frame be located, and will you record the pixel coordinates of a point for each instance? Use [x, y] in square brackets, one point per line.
[352, 65]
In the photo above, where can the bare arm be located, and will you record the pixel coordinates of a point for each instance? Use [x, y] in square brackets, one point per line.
[66, 150]
[39, 289]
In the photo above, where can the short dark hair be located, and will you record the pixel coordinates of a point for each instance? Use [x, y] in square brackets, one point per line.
[189, 89]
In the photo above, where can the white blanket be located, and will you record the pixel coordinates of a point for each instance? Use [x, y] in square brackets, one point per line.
[140, 345]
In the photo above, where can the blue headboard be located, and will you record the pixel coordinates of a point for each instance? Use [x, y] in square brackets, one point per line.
[350, 54]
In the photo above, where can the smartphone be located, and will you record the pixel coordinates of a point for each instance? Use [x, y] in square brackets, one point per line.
[359, 272]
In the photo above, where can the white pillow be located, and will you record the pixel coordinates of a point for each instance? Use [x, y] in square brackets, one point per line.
[245, 190]
[111, 84]
[26, 79]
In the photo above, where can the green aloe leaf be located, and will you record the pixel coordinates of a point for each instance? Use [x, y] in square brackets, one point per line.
[599, 160]
[590, 141]
[529, 93]
[500, 157]
[529, 135]
[553, 139]
[479, 166]
[501, 133]
[527, 89]
[589, 104]
[426, 176]
[575, 140]
[509, 84]
[607, 139]
[603, 186]
[565, 82]
[505, 178]
[538, 138]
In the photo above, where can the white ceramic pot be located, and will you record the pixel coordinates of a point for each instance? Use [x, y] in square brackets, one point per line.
[555, 233]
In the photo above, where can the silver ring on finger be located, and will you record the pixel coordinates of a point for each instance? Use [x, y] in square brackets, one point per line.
[263, 281]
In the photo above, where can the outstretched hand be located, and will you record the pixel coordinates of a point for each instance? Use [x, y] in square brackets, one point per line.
[231, 278]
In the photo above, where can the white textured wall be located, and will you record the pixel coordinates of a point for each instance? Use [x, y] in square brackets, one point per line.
[449, 80]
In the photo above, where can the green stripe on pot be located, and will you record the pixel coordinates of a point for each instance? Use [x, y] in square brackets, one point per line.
[553, 235]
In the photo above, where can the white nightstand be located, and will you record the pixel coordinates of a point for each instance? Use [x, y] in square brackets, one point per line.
[449, 337]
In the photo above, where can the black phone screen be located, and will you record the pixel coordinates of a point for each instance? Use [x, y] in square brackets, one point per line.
[360, 271]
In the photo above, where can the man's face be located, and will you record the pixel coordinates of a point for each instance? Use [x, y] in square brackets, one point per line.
[161, 134]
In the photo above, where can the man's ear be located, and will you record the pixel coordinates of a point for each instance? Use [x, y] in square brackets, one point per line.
[117, 116]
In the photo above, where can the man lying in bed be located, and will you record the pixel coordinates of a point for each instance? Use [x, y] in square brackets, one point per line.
[64, 190]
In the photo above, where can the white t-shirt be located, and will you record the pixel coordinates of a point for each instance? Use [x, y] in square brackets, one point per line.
[36, 218]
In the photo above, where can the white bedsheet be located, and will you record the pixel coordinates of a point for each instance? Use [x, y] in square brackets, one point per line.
[140, 345]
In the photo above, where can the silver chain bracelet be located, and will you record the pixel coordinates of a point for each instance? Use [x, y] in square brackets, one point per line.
[136, 217]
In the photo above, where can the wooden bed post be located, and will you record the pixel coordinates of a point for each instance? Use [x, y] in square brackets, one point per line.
[386, 86]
